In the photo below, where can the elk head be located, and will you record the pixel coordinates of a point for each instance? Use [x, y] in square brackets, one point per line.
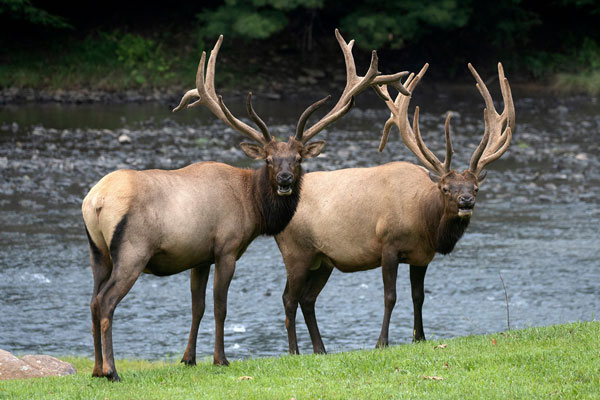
[459, 189]
[283, 160]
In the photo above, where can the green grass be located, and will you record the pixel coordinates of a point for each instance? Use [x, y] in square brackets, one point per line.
[587, 82]
[561, 361]
[109, 61]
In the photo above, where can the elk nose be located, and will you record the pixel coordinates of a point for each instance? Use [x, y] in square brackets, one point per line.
[466, 200]
[284, 178]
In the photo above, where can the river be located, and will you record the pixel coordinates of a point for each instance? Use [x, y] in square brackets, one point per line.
[535, 225]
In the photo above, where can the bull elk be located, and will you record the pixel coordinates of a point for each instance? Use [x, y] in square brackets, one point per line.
[362, 218]
[165, 222]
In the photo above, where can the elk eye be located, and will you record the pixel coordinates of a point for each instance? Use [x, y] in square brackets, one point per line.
[269, 161]
[476, 189]
[445, 189]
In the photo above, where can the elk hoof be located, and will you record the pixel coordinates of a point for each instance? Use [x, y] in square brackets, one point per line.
[189, 361]
[97, 373]
[382, 344]
[111, 375]
[222, 362]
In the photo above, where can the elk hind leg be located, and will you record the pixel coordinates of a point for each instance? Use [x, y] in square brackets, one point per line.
[127, 267]
[101, 269]
[417, 279]
[198, 281]
[297, 274]
[316, 281]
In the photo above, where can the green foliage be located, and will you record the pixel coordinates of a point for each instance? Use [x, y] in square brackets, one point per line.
[103, 60]
[583, 59]
[24, 10]
[399, 22]
[551, 362]
[584, 74]
[248, 19]
[142, 57]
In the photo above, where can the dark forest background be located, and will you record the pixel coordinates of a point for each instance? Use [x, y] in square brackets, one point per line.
[114, 45]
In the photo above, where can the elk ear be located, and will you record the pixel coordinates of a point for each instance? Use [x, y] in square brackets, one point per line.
[254, 151]
[435, 178]
[312, 149]
[481, 177]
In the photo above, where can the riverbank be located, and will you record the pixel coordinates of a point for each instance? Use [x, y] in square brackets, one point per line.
[117, 67]
[557, 361]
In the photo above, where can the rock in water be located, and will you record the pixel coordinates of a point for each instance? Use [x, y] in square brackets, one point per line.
[124, 139]
[32, 366]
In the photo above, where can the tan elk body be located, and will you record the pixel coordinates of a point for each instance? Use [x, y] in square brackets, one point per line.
[362, 218]
[165, 222]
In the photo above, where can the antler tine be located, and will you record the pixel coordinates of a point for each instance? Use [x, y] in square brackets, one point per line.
[236, 123]
[395, 107]
[412, 137]
[393, 80]
[205, 90]
[498, 127]
[449, 149]
[433, 161]
[259, 122]
[306, 114]
[354, 85]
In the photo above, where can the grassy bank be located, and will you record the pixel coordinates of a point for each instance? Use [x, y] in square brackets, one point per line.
[117, 61]
[560, 361]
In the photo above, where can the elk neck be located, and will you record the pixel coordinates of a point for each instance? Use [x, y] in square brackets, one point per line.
[274, 211]
[444, 230]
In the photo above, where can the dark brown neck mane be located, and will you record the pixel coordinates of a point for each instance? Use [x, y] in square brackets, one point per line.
[275, 211]
[444, 230]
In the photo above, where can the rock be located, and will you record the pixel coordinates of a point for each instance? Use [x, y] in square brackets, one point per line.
[32, 366]
[13, 368]
[124, 139]
[49, 366]
[307, 80]
[272, 96]
[581, 157]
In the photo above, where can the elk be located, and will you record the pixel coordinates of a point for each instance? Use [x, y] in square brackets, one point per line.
[362, 218]
[165, 222]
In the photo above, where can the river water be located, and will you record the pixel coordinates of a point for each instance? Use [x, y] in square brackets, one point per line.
[536, 225]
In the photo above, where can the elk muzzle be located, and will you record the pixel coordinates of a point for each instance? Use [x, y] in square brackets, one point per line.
[466, 202]
[284, 183]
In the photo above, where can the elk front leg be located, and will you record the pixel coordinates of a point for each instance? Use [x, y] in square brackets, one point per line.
[224, 268]
[316, 281]
[389, 272]
[198, 281]
[417, 278]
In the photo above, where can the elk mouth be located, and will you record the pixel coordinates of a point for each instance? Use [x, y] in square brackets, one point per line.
[465, 211]
[284, 190]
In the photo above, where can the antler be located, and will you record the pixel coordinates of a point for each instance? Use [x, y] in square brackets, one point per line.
[499, 128]
[412, 137]
[205, 90]
[354, 85]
